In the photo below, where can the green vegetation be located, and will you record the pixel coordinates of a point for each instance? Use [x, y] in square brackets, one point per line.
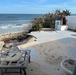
[37, 27]
[48, 20]
[66, 12]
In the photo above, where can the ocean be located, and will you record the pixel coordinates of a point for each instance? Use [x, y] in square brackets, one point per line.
[6, 19]
[15, 22]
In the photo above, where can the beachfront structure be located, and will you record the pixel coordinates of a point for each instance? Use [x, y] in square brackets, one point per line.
[71, 22]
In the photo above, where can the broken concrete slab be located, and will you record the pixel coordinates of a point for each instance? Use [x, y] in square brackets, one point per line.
[1, 45]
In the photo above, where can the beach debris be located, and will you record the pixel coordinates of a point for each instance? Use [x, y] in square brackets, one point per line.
[1, 45]
[20, 38]
[35, 40]
[71, 62]
[9, 45]
[58, 69]
[7, 40]
[31, 69]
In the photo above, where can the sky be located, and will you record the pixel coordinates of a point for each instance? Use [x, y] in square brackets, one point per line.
[36, 6]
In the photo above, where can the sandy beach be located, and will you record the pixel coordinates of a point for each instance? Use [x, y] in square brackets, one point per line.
[12, 35]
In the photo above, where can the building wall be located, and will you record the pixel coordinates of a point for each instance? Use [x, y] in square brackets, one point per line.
[71, 22]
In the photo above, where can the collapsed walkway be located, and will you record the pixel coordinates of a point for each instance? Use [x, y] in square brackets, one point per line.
[48, 50]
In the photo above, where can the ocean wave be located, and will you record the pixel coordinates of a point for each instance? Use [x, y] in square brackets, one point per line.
[15, 28]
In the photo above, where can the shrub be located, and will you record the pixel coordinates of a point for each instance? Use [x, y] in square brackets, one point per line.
[37, 27]
[48, 20]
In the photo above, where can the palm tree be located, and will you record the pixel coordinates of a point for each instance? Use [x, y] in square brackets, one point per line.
[66, 12]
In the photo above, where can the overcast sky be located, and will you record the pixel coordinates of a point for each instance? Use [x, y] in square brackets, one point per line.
[36, 6]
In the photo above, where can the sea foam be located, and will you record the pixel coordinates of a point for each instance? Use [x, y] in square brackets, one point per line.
[5, 29]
